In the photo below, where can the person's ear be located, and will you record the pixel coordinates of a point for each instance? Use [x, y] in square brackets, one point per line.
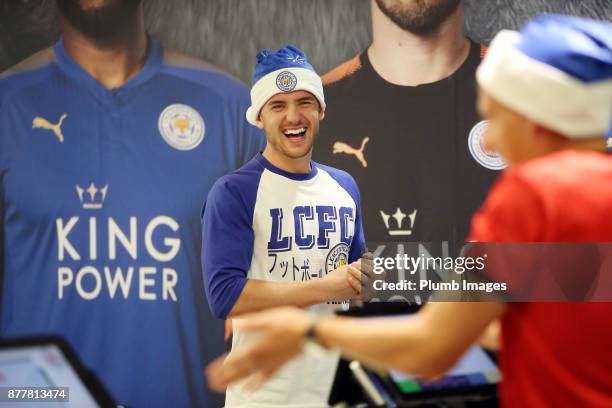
[321, 114]
[543, 134]
[547, 140]
[258, 122]
[529, 128]
[551, 139]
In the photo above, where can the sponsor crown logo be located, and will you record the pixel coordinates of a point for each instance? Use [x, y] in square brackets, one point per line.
[398, 226]
[92, 197]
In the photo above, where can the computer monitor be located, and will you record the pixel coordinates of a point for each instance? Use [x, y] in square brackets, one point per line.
[475, 374]
[47, 363]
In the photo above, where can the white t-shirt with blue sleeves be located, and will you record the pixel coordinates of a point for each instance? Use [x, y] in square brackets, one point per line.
[263, 223]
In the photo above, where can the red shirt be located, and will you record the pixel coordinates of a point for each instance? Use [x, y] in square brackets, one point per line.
[553, 354]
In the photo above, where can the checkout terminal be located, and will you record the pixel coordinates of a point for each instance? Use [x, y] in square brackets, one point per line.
[471, 383]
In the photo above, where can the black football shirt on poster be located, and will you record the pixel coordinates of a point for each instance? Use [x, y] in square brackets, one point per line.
[408, 148]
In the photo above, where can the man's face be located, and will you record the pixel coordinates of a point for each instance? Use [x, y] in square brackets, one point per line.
[509, 134]
[418, 16]
[291, 122]
[99, 19]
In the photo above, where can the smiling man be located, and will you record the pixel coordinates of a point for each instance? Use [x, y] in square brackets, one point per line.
[282, 229]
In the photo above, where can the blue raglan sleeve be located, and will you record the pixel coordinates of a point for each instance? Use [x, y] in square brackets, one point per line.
[358, 246]
[227, 245]
[346, 181]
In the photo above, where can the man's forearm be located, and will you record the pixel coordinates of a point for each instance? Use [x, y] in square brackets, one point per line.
[400, 344]
[426, 344]
[260, 295]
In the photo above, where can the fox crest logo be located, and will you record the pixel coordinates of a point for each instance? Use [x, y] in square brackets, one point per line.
[486, 158]
[337, 257]
[286, 81]
[181, 126]
[56, 128]
[340, 147]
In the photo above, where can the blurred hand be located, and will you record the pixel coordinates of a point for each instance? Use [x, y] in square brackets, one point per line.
[281, 332]
[491, 337]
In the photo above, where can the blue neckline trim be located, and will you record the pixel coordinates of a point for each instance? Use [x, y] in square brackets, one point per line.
[69, 66]
[293, 176]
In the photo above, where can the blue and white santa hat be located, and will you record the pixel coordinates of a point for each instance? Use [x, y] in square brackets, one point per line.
[557, 72]
[285, 70]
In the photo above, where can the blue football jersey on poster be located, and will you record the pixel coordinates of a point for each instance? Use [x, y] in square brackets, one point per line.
[100, 194]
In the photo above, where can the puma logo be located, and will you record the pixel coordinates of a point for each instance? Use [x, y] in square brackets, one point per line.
[43, 123]
[340, 147]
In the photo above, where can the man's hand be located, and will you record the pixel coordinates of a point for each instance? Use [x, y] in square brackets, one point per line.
[361, 276]
[281, 335]
[353, 281]
[344, 282]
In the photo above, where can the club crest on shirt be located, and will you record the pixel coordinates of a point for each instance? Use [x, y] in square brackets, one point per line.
[337, 257]
[484, 157]
[181, 126]
[286, 81]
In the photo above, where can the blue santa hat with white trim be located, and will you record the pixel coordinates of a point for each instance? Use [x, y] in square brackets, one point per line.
[557, 72]
[286, 70]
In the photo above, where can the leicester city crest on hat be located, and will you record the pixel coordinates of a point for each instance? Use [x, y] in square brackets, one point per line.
[286, 81]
